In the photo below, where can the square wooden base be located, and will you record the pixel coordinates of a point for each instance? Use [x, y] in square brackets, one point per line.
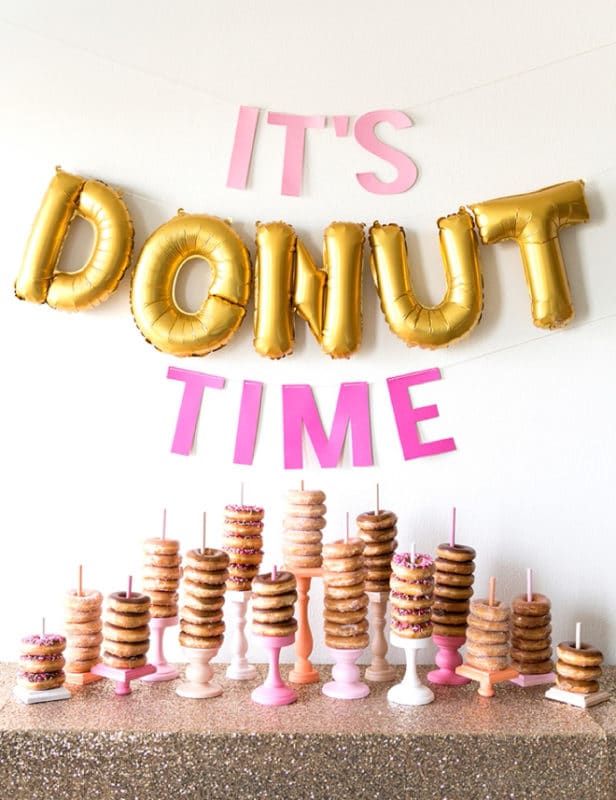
[82, 678]
[486, 679]
[574, 699]
[30, 696]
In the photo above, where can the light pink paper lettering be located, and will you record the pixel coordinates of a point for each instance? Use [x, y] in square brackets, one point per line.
[248, 423]
[341, 125]
[367, 138]
[241, 156]
[299, 411]
[191, 405]
[294, 147]
[407, 417]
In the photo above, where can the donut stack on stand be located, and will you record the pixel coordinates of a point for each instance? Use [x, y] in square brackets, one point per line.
[126, 631]
[83, 626]
[453, 589]
[204, 583]
[273, 604]
[243, 542]
[345, 599]
[303, 529]
[41, 662]
[377, 530]
[578, 669]
[487, 635]
[161, 575]
[411, 596]
[531, 645]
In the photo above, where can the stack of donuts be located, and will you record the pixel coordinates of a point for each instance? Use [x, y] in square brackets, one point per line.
[377, 530]
[303, 529]
[345, 599]
[531, 645]
[487, 636]
[83, 626]
[453, 589]
[201, 615]
[273, 604]
[411, 596]
[578, 669]
[243, 541]
[41, 662]
[126, 632]
[161, 575]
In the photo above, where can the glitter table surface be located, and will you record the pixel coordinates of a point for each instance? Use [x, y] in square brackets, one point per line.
[153, 745]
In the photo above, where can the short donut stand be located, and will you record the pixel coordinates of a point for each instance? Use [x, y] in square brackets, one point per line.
[410, 691]
[485, 678]
[199, 673]
[303, 672]
[448, 659]
[379, 670]
[164, 670]
[123, 677]
[82, 678]
[239, 669]
[29, 696]
[273, 691]
[345, 673]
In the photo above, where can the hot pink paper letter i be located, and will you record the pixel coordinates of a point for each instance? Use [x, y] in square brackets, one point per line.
[191, 405]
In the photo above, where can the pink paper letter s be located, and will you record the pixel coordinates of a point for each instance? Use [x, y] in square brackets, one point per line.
[407, 417]
[299, 410]
[191, 405]
[367, 138]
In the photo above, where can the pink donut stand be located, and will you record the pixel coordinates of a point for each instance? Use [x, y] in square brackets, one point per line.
[345, 672]
[164, 670]
[122, 677]
[274, 691]
[448, 659]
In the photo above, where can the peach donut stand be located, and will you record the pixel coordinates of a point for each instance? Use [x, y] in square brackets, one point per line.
[303, 672]
[199, 673]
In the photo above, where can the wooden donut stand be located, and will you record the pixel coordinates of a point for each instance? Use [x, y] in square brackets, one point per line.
[303, 671]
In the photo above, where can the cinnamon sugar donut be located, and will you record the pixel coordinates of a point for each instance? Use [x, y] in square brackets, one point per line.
[306, 510]
[486, 624]
[491, 613]
[305, 497]
[162, 547]
[89, 601]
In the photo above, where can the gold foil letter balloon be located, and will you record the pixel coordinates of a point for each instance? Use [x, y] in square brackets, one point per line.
[534, 221]
[68, 195]
[460, 309]
[287, 280]
[156, 312]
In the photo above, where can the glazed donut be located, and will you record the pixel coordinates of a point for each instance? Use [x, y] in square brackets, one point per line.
[496, 613]
[487, 663]
[159, 584]
[539, 606]
[53, 662]
[265, 584]
[39, 681]
[115, 633]
[384, 535]
[483, 650]
[376, 520]
[209, 560]
[343, 617]
[126, 620]
[305, 497]
[292, 536]
[302, 562]
[244, 513]
[421, 568]
[381, 574]
[520, 621]
[536, 668]
[530, 656]
[411, 630]
[80, 665]
[274, 628]
[85, 640]
[578, 673]
[297, 549]
[585, 656]
[378, 586]
[90, 600]
[200, 642]
[454, 592]
[358, 642]
[346, 604]
[163, 612]
[127, 649]
[303, 523]
[345, 564]
[487, 624]
[459, 567]
[579, 687]
[531, 634]
[380, 549]
[424, 587]
[161, 547]
[307, 510]
[344, 592]
[135, 604]
[343, 578]
[270, 601]
[163, 598]
[123, 662]
[272, 614]
[204, 603]
[42, 644]
[159, 560]
[448, 617]
[198, 617]
[443, 629]
[81, 628]
[210, 578]
[341, 549]
[530, 645]
[206, 630]
[451, 606]
[77, 617]
[346, 629]
[453, 579]
[456, 552]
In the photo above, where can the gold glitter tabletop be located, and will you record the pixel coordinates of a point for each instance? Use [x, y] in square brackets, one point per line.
[154, 745]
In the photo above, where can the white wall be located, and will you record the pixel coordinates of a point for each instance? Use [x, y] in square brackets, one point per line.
[145, 97]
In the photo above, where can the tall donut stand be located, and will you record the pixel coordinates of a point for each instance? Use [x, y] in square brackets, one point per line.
[410, 691]
[239, 669]
[345, 673]
[303, 671]
[199, 673]
[164, 670]
[380, 670]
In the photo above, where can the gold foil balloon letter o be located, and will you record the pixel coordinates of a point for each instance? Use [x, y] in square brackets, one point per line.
[68, 195]
[460, 309]
[153, 303]
[534, 221]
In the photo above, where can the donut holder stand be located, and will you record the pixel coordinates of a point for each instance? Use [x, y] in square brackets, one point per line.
[239, 669]
[410, 691]
[274, 691]
[486, 679]
[303, 671]
[123, 677]
[534, 680]
[29, 696]
[82, 678]
[345, 673]
[380, 670]
[575, 699]
[164, 670]
[448, 659]
[199, 673]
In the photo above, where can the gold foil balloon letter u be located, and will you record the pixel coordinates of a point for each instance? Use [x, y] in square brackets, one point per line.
[157, 314]
[534, 221]
[460, 309]
[69, 195]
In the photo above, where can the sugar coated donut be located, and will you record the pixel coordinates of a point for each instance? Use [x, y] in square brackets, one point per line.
[85, 640]
[163, 547]
[487, 624]
[487, 663]
[498, 612]
[80, 628]
[305, 497]
[585, 656]
[342, 548]
[539, 606]
[307, 510]
[486, 637]
[200, 642]
[88, 600]
[376, 520]
[483, 650]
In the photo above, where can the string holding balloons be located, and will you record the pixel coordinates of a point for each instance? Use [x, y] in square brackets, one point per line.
[286, 279]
